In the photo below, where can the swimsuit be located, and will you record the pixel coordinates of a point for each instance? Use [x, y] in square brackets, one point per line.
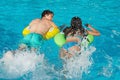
[33, 40]
[68, 45]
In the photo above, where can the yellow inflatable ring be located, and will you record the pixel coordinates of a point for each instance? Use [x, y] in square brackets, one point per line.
[26, 31]
[52, 32]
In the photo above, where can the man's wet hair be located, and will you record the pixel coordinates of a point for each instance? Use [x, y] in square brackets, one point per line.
[46, 12]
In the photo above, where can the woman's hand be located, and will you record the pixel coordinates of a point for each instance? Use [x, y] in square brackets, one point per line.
[92, 30]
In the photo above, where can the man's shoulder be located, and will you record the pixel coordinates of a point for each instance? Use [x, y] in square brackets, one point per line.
[36, 20]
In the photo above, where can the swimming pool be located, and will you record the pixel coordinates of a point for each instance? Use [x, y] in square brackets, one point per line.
[100, 62]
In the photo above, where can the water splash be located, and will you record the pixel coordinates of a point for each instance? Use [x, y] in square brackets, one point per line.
[33, 66]
[27, 65]
[107, 70]
[117, 33]
[45, 72]
[22, 62]
[76, 66]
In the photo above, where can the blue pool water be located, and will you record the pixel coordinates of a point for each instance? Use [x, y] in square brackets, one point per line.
[101, 61]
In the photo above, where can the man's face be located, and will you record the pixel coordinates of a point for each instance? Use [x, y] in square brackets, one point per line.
[49, 17]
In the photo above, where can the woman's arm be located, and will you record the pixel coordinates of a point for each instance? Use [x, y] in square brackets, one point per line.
[72, 39]
[93, 31]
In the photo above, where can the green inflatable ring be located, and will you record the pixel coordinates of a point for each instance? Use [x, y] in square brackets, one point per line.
[59, 39]
[90, 38]
[87, 40]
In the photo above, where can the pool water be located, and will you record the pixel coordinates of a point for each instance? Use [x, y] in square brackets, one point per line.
[100, 61]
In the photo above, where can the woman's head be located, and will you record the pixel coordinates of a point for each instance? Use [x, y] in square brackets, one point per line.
[76, 25]
[66, 31]
[76, 22]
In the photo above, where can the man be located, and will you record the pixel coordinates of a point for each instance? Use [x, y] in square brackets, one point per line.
[38, 28]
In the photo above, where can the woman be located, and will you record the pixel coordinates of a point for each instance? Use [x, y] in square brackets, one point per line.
[74, 35]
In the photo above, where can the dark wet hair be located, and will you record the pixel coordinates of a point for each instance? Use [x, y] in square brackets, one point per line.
[46, 12]
[76, 25]
[66, 31]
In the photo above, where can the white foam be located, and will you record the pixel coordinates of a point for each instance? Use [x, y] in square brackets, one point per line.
[13, 66]
[107, 70]
[76, 66]
[117, 33]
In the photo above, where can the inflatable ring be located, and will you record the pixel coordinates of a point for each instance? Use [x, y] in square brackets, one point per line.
[51, 33]
[26, 31]
[90, 38]
[59, 39]
[87, 40]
